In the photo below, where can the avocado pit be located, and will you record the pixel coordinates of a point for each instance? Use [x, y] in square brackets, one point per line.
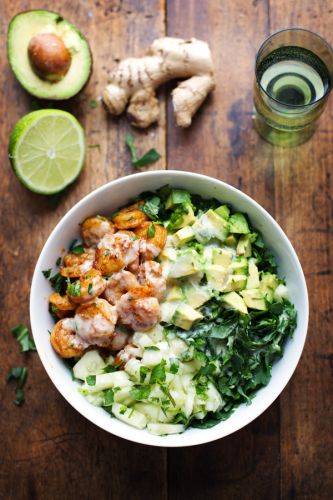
[49, 57]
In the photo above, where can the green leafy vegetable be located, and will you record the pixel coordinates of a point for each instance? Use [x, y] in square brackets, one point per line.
[76, 248]
[149, 157]
[47, 273]
[151, 207]
[158, 373]
[108, 397]
[74, 289]
[90, 289]
[93, 103]
[91, 380]
[58, 261]
[21, 333]
[151, 231]
[20, 375]
[140, 392]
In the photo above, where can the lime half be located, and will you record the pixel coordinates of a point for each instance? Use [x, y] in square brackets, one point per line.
[47, 150]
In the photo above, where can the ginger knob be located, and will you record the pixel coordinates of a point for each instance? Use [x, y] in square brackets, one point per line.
[49, 57]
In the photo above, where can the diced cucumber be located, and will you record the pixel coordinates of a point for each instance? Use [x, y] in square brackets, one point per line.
[96, 399]
[129, 416]
[123, 396]
[164, 429]
[152, 358]
[109, 380]
[91, 363]
[150, 410]
[142, 339]
[132, 367]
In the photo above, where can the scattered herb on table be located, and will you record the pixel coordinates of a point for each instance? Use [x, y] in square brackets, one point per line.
[20, 375]
[93, 103]
[149, 157]
[21, 333]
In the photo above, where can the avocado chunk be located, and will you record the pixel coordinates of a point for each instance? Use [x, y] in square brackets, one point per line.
[238, 224]
[197, 295]
[210, 226]
[254, 299]
[177, 197]
[175, 293]
[231, 241]
[223, 211]
[221, 257]
[234, 301]
[216, 277]
[235, 283]
[186, 263]
[244, 246]
[240, 265]
[253, 277]
[268, 284]
[48, 55]
[184, 216]
[184, 235]
[185, 316]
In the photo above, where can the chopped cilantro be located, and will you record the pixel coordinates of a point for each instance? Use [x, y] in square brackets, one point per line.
[158, 373]
[151, 231]
[140, 392]
[151, 348]
[58, 261]
[76, 248]
[90, 289]
[143, 372]
[93, 103]
[91, 380]
[21, 333]
[20, 375]
[74, 289]
[108, 397]
[149, 157]
[47, 273]
[151, 207]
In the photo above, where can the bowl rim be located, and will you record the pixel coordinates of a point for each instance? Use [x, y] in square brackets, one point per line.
[201, 439]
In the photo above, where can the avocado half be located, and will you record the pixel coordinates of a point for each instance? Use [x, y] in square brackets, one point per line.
[26, 25]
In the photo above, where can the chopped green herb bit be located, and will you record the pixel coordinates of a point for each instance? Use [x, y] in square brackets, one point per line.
[152, 348]
[93, 103]
[90, 289]
[58, 261]
[58, 283]
[143, 373]
[140, 392]
[174, 367]
[47, 273]
[76, 248]
[151, 231]
[95, 146]
[108, 397]
[158, 373]
[149, 157]
[21, 333]
[91, 380]
[151, 207]
[109, 369]
[20, 375]
[74, 289]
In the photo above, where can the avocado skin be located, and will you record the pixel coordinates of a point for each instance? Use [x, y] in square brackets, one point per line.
[56, 18]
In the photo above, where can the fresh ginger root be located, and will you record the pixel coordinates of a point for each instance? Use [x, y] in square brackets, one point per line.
[136, 79]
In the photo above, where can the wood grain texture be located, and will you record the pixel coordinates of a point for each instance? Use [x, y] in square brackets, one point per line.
[47, 450]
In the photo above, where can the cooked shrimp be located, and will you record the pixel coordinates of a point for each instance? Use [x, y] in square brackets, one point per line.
[118, 284]
[87, 288]
[129, 217]
[150, 273]
[65, 341]
[95, 322]
[77, 264]
[94, 228]
[119, 340]
[61, 305]
[138, 310]
[114, 252]
[151, 247]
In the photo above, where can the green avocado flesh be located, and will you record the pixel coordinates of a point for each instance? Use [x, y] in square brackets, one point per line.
[22, 29]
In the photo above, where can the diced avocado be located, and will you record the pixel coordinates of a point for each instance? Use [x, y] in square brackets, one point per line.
[231, 241]
[268, 284]
[238, 224]
[221, 257]
[235, 283]
[223, 211]
[244, 246]
[186, 219]
[235, 301]
[177, 197]
[253, 277]
[197, 295]
[254, 299]
[175, 293]
[239, 265]
[185, 316]
[169, 253]
[49, 56]
[183, 235]
[216, 276]
[187, 263]
[168, 309]
[210, 226]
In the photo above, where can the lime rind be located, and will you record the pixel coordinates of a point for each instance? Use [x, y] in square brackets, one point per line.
[29, 146]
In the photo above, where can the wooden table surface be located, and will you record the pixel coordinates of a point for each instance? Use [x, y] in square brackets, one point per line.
[47, 450]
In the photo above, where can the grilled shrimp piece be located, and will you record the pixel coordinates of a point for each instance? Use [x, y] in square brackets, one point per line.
[94, 228]
[65, 341]
[130, 217]
[138, 310]
[118, 284]
[95, 322]
[115, 251]
[119, 340]
[61, 305]
[78, 264]
[150, 273]
[87, 288]
[151, 247]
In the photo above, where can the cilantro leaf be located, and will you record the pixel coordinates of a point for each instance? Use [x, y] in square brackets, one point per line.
[20, 375]
[140, 392]
[108, 397]
[76, 248]
[149, 157]
[158, 373]
[151, 207]
[74, 289]
[151, 231]
[21, 333]
[91, 379]
[47, 273]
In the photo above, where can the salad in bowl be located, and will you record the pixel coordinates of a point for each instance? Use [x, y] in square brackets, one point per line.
[169, 310]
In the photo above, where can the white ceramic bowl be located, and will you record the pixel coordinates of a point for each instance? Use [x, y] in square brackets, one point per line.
[106, 200]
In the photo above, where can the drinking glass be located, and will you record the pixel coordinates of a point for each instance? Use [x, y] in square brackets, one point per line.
[293, 78]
